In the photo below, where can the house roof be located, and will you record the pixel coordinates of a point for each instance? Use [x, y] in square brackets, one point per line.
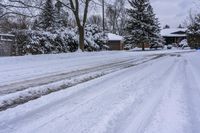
[174, 32]
[114, 37]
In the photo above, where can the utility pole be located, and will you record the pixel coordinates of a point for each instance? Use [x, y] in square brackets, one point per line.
[103, 15]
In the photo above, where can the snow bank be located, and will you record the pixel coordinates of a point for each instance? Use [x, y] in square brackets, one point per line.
[20, 97]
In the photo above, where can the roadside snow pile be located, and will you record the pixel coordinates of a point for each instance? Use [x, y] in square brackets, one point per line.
[20, 97]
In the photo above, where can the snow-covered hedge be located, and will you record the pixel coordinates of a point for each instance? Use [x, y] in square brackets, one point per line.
[95, 38]
[39, 42]
[59, 41]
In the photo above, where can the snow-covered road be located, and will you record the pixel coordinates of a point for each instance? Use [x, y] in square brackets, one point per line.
[160, 96]
[50, 78]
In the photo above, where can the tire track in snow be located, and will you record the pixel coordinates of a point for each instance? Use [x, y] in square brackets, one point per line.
[19, 86]
[172, 113]
[112, 112]
[140, 113]
[192, 93]
[22, 74]
[41, 64]
[32, 93]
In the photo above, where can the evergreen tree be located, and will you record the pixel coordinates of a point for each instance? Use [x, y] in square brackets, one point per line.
[61, 16]
[139, 23]
[194, 27]
[58, 20]
[166, 27]
[194, 32]
[1, 13]
[47, 17]
[180, 26]
[35, 25]
[1, 9]
[154, 34]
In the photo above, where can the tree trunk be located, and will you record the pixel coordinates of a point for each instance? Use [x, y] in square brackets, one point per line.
[143, 47]
[81, 37]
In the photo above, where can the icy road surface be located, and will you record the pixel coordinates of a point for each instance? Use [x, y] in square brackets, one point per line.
[160, 96]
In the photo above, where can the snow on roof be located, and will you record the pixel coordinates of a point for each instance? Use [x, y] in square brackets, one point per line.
[172, 32]
[114, 37]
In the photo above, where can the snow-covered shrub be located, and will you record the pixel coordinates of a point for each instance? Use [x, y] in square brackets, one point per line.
[94, 38]
[128, 46]
[183, 44]
[40, 42]
[58, 41]
[69, 39]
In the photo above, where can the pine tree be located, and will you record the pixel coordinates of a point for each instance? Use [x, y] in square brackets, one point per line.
[47, 17]
[60, 20]
[194, 27]
[1, 9]
[58, 7]
[166, 27]
[1, 13]
[194, 32]
[139, 23]
[154, 34]
[35, 25]
[180, 26]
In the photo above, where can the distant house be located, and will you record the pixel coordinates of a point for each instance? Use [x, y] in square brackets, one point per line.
[174, 35]
[6, 44]
[115, 42]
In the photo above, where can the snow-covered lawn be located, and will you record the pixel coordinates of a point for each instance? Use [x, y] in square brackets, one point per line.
[158, 96]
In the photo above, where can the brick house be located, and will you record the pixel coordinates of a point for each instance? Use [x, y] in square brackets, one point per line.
[115, 42]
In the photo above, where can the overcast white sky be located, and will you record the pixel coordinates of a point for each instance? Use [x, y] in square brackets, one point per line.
[173, 12]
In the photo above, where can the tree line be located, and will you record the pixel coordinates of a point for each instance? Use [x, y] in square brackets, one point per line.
[137, 23]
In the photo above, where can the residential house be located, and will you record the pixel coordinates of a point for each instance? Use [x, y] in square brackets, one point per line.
[115, 42]
[174, 35]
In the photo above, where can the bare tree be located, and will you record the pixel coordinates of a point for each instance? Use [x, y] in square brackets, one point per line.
[79, 9]
[116, 16]
[95, 19]
[75, 5]
[21, 7]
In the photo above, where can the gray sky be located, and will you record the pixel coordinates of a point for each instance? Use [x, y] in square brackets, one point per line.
[173, 12]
